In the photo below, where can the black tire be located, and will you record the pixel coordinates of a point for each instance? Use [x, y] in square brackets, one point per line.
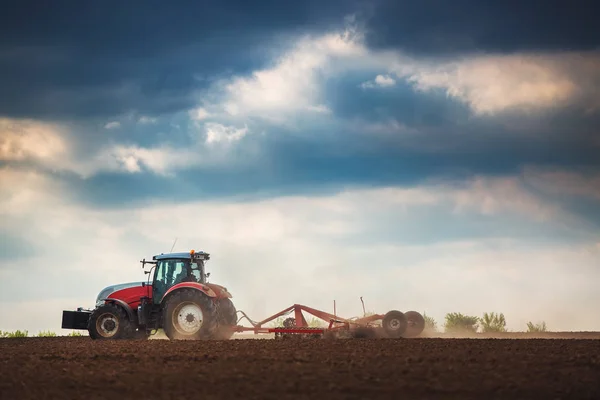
[394, 324]
[226, 319]
[415, 322]
[194, 300]
[110, 321]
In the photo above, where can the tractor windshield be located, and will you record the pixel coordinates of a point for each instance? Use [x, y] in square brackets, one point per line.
[170, 272]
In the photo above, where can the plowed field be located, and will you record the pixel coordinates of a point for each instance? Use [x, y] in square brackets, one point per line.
[434, 368]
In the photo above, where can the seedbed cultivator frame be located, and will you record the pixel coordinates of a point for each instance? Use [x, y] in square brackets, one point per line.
[393, 324]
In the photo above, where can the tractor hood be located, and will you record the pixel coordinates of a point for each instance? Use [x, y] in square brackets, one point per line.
[104, 293]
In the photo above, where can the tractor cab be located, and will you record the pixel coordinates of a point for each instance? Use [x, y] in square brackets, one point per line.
[174, 268]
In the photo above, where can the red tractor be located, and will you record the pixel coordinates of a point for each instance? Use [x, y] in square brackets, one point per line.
[179, 300]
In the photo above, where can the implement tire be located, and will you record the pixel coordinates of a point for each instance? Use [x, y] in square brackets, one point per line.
[415, 324]
[110, 321]
[394, 324]
[189, 314]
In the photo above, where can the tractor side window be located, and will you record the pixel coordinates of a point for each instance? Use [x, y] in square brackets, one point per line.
[196, 274]
[179, 272]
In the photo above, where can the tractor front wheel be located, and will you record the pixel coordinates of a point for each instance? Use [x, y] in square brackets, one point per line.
[109, 321]
[189, 315]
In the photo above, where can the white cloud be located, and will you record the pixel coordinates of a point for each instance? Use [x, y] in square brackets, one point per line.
[517, 82]
[22, 140]
[217, 133]
[165, 159]
[320, 108]
[379, 81]
[199, 114]
[147, 120]
[491, 197]
[322, 244]
[292, 84]
[112, 125]
[51, 147]
[21, 191]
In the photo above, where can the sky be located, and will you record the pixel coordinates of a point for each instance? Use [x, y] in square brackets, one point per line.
[423, 155]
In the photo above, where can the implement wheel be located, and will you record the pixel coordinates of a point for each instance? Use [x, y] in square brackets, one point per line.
[110, 321]
[189, 315]
[416, 324]
[394, 324]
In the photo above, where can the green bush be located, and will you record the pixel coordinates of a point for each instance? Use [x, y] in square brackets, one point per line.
[539, 327]
[74, 333]
[430, 323]
[15, 334]
[493, 322]
[457, 323]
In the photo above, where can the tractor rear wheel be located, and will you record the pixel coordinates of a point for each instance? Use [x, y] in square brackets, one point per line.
[227, 319]
[394, 324]
[415, 322]
[189, 315]
[110, 321]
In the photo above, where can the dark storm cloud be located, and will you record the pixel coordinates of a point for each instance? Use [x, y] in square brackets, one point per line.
[78, 59]
[69, 59]
[324, 163]
[464, 26]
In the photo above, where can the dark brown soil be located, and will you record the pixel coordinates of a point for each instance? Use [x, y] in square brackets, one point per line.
[72, 368]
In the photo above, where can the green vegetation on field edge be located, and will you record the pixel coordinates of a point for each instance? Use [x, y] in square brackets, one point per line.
[492, 322]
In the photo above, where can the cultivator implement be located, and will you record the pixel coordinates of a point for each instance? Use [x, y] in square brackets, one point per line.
[393, 324]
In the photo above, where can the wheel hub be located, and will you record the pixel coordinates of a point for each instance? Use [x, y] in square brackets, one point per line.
[395, 324]
[107, 325]
[188, 318]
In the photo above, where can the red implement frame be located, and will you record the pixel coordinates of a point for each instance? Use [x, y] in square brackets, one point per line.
[335, 322]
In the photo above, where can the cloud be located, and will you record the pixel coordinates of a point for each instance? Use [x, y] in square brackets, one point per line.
[28, 140]
[199, 114]
[565, 183]
[519, 83]
[112, 125]
[445, 29]
[217, 133]
[208, 148]
[40, 146]
[379, 81]
[22, 190]
[291, 85]
[147, 120]
[64, 72]
[299, 80]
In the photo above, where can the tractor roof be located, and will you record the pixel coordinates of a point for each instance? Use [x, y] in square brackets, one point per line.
[186, 255]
